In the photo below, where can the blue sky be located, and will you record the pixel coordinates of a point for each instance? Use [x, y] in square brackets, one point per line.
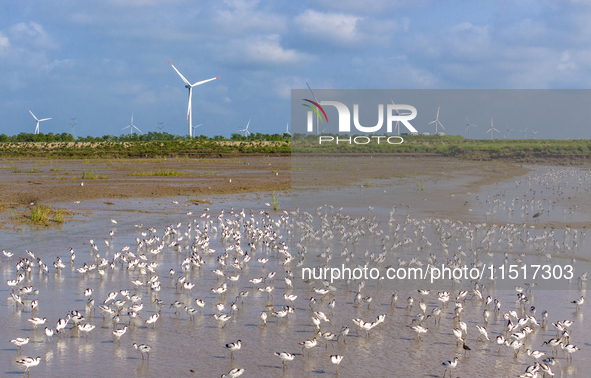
[100, 60]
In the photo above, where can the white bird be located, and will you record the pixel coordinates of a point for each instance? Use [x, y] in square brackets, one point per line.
[336, 359]
[236, 372]
[285, 357]
[143, 348]
[450, 365]
[29, 362]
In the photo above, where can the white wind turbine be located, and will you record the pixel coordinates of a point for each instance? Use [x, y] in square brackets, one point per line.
[508, 130]
[287, 129]
[190, 87]
[397, 127]
[38, 120]
[492, 129]
[194, 127]
[469, 126]
[131, 126]
[524, 132]
[246, 132]
[534, 133]
[436, 121]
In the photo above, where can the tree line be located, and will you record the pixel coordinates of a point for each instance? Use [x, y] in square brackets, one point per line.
[148, 137]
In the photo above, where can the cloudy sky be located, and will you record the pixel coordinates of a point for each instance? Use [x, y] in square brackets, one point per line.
[100, 60]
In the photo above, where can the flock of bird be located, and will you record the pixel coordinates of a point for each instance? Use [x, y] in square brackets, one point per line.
[248, 256]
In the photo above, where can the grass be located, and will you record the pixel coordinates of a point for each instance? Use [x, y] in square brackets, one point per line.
[35, 169]
[16, 170]
[40, 214]
[161, 172]
[421, 185]
[274, 202]
[91, 175]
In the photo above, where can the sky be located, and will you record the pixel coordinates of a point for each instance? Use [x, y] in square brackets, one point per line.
[99, 61]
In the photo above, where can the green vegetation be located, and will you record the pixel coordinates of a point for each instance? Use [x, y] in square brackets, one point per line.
[453, 146]
[274, 201]
[43, 214]
[40, 214]
[163, 145]
[15, 170]
[421, 185]
[168, 172]
[92, 175]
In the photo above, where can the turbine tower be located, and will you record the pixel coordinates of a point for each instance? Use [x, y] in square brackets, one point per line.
[469, 126]
[397, 127]
[492, 129]
[131, 126]
[436, 121]
[38, 120]
[190, 87]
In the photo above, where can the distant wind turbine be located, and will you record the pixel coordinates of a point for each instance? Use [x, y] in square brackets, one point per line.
[38, 120]
[397, 127]
[524, 132]
[190, 87]
[287, 129]
[509, 130]
[131, 126]
[492, 129]
[534, 133]
[436, 121]
[469, 126]
[194, 127]
[246, 132]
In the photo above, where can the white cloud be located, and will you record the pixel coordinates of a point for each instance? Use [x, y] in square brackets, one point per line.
[284, 85]
[335, 27]
[238, 17]
[372, 6]
[32, 34]
[4, 44]
[265, 50]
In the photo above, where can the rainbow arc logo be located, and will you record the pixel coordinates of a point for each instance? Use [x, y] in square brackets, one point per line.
[316, 110]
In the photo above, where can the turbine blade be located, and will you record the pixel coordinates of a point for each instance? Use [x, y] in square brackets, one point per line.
[313, 95]
[33, 115]
[440, 124]
[181, 75]
[44, 119]
[247, 124]
[204, 81]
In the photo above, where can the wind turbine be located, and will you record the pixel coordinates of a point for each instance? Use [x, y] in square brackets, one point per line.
[509, 130]
[534, 133]
[131, 126]
[492, 129]
[38, 120]
[194, 127]
[318, 102]
[190, 87]
[287, 129]
[469, 126]
[436, 121]
[398, 122]
[246, 132]
[524, 132]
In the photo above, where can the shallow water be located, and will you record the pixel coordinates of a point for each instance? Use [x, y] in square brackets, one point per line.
[180, 344]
